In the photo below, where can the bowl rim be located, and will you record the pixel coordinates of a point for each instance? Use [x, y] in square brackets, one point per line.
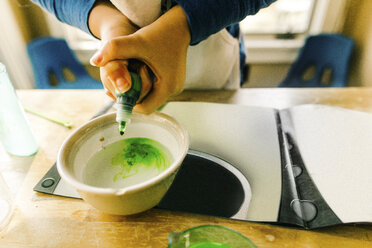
[67, 175]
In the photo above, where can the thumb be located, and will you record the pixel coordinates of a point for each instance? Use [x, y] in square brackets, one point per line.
[123, 47]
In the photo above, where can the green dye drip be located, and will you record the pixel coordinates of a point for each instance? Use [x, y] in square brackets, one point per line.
[139, 151]
[127, 162]
[209, 245]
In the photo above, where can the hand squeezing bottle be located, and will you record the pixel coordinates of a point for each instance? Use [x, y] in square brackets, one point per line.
[126, 101]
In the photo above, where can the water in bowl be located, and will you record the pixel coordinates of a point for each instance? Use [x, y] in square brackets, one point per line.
[127, 162]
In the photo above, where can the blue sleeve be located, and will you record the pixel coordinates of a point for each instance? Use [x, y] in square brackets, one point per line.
[207, 17]
[72, 12]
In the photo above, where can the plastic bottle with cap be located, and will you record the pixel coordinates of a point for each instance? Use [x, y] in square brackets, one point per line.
[126, 101]
[15, 133]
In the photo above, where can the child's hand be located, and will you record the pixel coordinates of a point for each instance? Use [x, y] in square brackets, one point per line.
[106, 22]
[162, 46]
[116, 78]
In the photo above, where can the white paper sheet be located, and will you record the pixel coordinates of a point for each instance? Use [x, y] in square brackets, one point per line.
[246, 137]
[336, 146]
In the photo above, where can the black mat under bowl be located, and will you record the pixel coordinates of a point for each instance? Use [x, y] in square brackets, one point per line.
[204, 186]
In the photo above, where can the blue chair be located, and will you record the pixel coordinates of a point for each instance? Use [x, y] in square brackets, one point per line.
[51, 58]
[323, 61]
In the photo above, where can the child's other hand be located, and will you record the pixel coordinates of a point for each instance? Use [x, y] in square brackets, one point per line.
[162, 46]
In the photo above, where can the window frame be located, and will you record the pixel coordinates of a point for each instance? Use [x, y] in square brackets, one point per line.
[269, 49]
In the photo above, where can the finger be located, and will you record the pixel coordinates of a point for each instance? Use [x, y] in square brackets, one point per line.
[118, 74]
[123, 47]
[107, 83]
[154, 100]
[146, 82]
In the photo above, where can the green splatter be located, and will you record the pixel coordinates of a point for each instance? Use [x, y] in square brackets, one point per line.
[139, 152]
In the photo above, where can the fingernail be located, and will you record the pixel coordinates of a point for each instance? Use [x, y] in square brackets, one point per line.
[122, 84]
[96, 59]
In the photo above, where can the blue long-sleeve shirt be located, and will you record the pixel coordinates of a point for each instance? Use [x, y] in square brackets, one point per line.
[205, 17]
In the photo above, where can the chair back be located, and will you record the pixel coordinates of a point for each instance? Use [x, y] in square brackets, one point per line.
[52, 58]
[323, 61]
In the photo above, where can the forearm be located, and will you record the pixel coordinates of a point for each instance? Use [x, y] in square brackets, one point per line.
[72, 12]
[210, 16]
[97, 17]
[106, 22]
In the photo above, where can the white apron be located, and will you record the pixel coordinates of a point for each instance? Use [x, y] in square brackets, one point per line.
[211, 64]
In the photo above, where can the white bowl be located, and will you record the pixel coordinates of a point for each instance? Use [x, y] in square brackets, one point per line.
[90, 138]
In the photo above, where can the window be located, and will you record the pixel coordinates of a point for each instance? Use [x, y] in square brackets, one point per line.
[282, 17]
[275, 34]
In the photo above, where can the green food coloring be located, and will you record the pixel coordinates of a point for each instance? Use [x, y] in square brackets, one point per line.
[127, 162]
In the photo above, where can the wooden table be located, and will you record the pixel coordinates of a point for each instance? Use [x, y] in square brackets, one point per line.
[42, 220]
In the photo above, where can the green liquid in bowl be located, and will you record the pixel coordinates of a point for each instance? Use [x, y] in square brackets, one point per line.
[127, 162]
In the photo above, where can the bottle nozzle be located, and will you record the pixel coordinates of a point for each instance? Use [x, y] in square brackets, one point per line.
[123, 115]
[126, 101]
[122, 126]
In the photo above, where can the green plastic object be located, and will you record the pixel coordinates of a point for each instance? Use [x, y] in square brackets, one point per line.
[126, 101]
[209, 236]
